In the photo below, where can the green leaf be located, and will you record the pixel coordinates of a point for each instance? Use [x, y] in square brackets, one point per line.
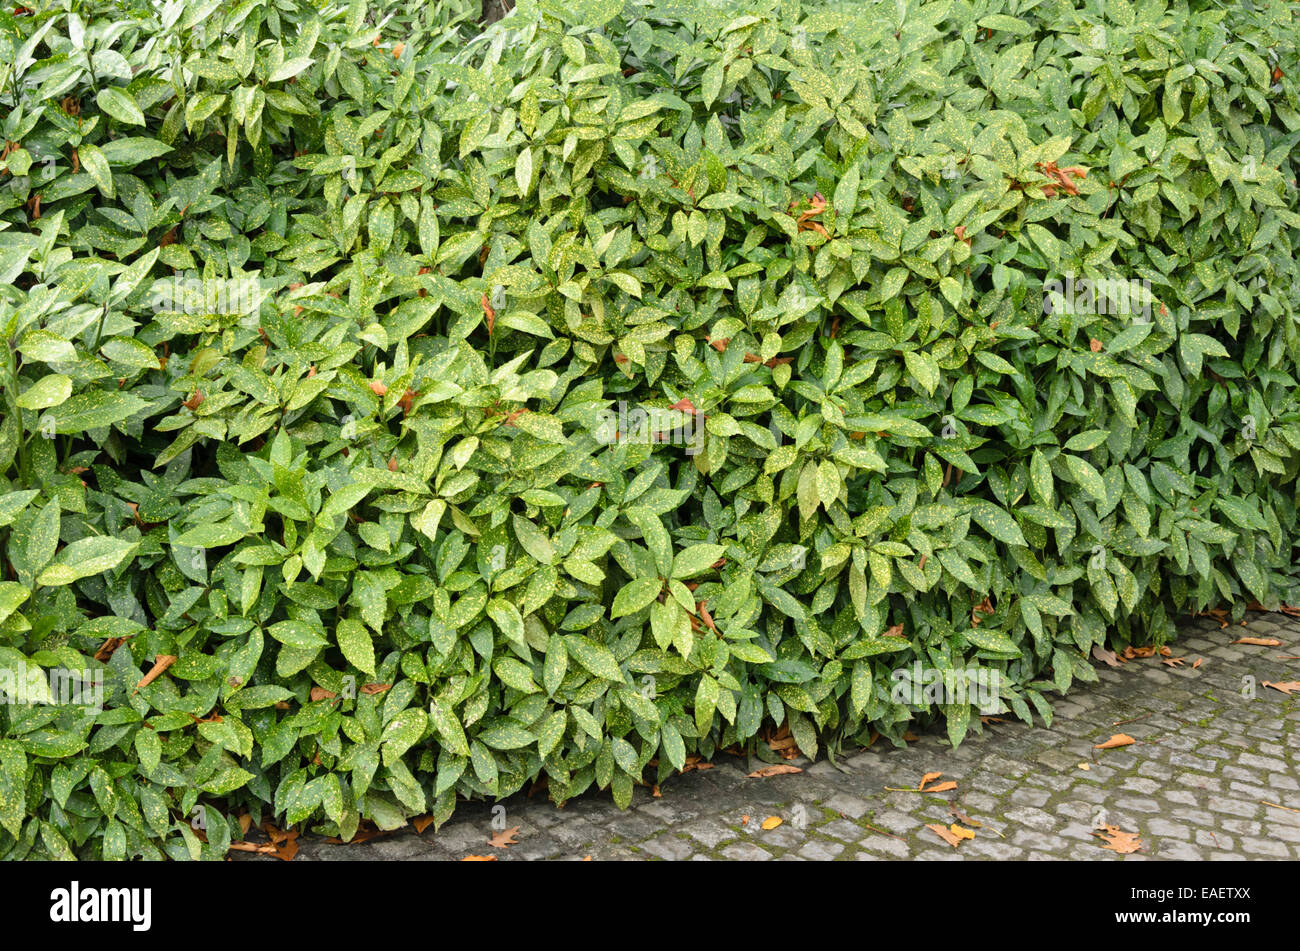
[49, 390]
[696, 560]
[635, 595]
[86, 557]
[356, 645]
[1085, 476]
[596, 658]
[121, 105]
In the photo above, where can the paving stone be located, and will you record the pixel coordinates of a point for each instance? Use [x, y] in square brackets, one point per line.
[821, 850]
[1253, 846]
[745, 852]
[848, 805]
[1191, 787]
[668, 846]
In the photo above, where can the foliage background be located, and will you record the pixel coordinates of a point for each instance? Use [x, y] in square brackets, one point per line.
[370, 516]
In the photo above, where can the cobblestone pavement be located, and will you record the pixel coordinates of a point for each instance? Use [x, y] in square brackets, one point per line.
[1210, 753]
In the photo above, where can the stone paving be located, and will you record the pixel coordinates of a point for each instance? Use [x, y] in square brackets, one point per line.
[1214, 746]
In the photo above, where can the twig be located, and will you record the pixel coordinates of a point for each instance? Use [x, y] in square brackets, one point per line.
[1133, 719]
[1277, 806]
[883, 832]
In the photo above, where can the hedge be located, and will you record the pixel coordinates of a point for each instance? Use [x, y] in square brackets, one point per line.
[398, 414]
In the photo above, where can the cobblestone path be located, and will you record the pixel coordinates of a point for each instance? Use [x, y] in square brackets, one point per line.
[1214, 774]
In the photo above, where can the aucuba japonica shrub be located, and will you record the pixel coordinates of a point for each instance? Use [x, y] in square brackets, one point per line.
[398, 412]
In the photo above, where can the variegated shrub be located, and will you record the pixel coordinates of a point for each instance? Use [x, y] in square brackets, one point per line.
[397, 413]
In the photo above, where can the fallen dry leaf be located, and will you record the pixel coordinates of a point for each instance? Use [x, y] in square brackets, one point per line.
[505, 838]
[1287, 687]
[894, 631]
[961, 833]
[1118, 840]
[1108, 657]
[771, 822]
[264, 848]
[928, 778]
[774, 770]
[1116, 741]
[945, 833]
[1197, 663]
[744, 820]
[479, 858]
[962, 817]
[1085, 766]
[421, 823]
[1259, 641]
[160, 663]
[1172, 661]
[948, 786]
[109, 646]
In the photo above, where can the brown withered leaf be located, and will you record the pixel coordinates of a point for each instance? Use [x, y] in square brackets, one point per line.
[777, 769]
[160, 663]
[944, 833]
[505, 838]
[1119, 841]
[694, 761]
[771, 822]
[1115, 742]
[927, 779]
[320, 693]
[1172, 661]
[421, 823]
[284, 842]
[947, 786]
[1287, 687]
[264, 848]
[1259, 641]
[1197, 663]
[479, 858]
[109, 646]
[894, 631]
[1108, 657]
[375, 688]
